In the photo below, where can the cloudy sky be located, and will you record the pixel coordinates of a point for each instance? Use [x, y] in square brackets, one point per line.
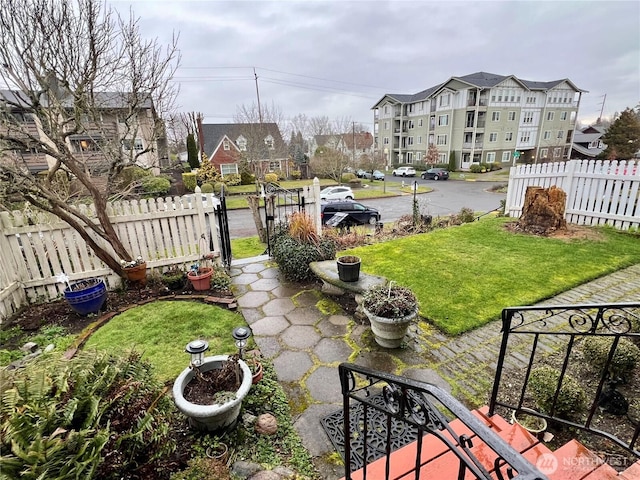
[338, 58]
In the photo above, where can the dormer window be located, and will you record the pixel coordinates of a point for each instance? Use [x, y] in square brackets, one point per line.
[226, 145]
[268, 141]
[242, 143]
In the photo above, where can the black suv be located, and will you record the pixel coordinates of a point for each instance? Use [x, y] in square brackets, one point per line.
[356, 213]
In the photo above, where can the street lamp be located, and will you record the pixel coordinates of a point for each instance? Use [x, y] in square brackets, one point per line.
[241, 335]
[196, 349]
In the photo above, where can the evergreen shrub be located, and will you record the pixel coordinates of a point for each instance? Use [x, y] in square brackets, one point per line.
[542, 386]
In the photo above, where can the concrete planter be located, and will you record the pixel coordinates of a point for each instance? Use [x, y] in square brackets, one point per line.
[389, 332]
[217, 416]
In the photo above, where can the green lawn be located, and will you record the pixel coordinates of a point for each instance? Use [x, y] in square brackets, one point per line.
[464, 276]
[162, 329]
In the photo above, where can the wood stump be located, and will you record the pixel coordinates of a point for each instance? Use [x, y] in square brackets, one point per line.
[543, 210]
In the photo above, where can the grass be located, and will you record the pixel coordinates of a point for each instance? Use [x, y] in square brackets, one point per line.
[162, 329]
[247, 247]
[464, 276]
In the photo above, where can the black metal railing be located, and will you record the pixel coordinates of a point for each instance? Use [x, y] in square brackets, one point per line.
[425, 410]
[544, 335]
[279, 204]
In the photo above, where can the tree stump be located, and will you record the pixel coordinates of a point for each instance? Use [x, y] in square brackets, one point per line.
[543, 210]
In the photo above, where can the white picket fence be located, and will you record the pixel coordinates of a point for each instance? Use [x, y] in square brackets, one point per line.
[36, 247]
[598, 192]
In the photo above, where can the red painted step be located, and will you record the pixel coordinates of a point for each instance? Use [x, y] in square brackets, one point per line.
[574, 461]
[631, 473]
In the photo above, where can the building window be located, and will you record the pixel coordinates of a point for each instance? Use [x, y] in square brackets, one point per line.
[419, 140]
[386, 125]
[242, 143]
[495, 116]
[546, 135]
[385, 141]
[560, 134]
[557, 152]
[410, 123]
[512, 116]
[268, 141]
[386, 109]
[525, 137]
[420, 122]
[228, 168]
[418, 156]
[544, 152]
[441, 140]
[506, 156]
[528, 117]
[127, 144]
[445, 99]
[508, 137]
[443, 120]
[531, 99]
[550, 116]
[563, 116]
[225, 144]
[274, 165]
[409, 157]
[493, 137]
[442, 158]
[491, 157]
[410, 141]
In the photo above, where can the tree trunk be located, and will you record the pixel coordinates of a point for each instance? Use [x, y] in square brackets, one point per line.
[543, 210]
[254, 206]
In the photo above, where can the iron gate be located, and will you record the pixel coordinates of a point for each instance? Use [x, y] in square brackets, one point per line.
[223, 229]
[279, 203]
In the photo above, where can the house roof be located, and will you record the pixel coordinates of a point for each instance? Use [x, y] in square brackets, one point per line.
[213, 133]
[589, 152]
[362, 140]
[101, 99]
[479, 80]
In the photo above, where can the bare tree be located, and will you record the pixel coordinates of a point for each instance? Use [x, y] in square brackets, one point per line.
[67, 63]
[320, 126]
[329, 162]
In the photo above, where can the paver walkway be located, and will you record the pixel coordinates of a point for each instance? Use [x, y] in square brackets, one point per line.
[307, 336]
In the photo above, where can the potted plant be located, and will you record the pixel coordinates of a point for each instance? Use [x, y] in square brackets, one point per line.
[210, 393]
[531, 423]
[348, 268]
[135, 270]
[86, 296]
[390, 309]
[253, 361]
[200, 274]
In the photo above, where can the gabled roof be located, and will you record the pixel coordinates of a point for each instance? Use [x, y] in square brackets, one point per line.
[213, 133]
[102, 100]
[322, 140]
[479, 80]
[362, 140]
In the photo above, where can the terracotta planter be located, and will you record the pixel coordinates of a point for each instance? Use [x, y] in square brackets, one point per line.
[137, 273]
[348, 268]
[258, 372]
[202, 279]
[389, 332]
[217, 416]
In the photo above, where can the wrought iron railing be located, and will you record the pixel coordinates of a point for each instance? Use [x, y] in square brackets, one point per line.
[543, 335]
[388, 403]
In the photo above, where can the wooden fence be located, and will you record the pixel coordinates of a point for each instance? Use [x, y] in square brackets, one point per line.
[598, 192]
[35, 247]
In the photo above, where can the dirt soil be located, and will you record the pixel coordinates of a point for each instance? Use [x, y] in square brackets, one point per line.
[572, 232]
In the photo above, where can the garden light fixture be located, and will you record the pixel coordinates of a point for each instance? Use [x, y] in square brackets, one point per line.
[196, 349]
[240, 335]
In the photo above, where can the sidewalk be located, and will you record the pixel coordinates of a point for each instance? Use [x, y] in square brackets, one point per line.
[307, 337]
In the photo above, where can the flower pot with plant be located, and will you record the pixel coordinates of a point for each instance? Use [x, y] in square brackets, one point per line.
[255, 365]
[86, 296]
[348, 268]
[135, 270]
[390, 309]
[200, 274]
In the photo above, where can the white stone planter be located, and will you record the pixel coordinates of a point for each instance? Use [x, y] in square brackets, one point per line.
[389, 332]
[211, 417]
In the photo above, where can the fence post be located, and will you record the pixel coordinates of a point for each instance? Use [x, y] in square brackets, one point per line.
[317, 208]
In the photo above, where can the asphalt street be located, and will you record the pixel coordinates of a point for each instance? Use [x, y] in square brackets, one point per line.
[446, 198]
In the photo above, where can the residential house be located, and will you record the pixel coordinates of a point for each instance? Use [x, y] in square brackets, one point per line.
[481, 117]
[139, 133]
[352, 145]
[587, 143]
[260, 145]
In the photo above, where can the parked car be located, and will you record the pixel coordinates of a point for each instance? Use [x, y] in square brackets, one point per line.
[363, 174]
[404, 172]
[357, 214]
[336, 193]
[378, 175]
[435, 174]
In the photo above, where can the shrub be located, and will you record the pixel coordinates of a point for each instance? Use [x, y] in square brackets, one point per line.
[296, 174]
[220, 280]
[217, 187]
[294, 255]
[355, 183]
[189, 181]
[232, 179]
[626, 357]
[475, 168]
[271, 177]
[543, 383]
[156, 185]
[347, 177]
[206, 188]
[495, 166]
[247, 178]
[131, 174]
[174, 279]
[77, 418]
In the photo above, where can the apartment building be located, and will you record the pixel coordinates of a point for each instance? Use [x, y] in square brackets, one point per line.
[481, 117]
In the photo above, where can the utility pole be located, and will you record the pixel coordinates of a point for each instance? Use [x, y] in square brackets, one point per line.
[599, 121]
[258, 95]
[353, 151]
[200, 137]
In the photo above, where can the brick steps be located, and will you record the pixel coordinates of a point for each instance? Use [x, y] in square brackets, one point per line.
[572, 461]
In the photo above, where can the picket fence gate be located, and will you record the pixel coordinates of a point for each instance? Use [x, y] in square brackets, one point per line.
[598, 192]
[35, 246]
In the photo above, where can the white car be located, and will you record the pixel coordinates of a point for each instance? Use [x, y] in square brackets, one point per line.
[336, 193]
[404, 172]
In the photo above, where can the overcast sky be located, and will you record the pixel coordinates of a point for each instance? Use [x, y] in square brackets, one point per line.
[338, 58]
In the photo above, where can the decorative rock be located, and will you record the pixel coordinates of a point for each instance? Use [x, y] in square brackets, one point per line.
[248, 419]
[285, 472]
[49, 348]
[29, 347]
[243, 469]
[266, 475]
[266, 424]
